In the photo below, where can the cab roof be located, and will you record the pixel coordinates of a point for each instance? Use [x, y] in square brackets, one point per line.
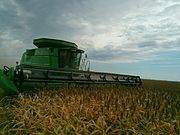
[54, 43]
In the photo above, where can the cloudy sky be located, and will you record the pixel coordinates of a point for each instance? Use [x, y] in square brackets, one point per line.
[140, 37]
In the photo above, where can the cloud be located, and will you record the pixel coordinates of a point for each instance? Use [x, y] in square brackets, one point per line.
[9, 45]
[110, 31]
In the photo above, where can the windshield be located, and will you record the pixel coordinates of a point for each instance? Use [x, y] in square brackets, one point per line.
[69, 59]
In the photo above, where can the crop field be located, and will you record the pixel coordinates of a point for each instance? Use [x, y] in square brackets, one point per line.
[153, 108]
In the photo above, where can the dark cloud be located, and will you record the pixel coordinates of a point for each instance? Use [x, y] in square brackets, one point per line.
[147, 44]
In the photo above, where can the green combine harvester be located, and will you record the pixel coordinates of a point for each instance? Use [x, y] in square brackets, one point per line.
[55, 63]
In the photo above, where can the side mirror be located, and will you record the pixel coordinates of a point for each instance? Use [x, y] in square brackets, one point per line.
[86, 56]
[17, 62]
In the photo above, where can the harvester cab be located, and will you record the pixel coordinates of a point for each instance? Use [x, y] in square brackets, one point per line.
[55, 63]
[53, 53]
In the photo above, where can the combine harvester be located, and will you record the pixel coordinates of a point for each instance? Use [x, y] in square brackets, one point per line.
[55, 63]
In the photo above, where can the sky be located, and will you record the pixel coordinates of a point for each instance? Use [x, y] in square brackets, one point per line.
[137, 37]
